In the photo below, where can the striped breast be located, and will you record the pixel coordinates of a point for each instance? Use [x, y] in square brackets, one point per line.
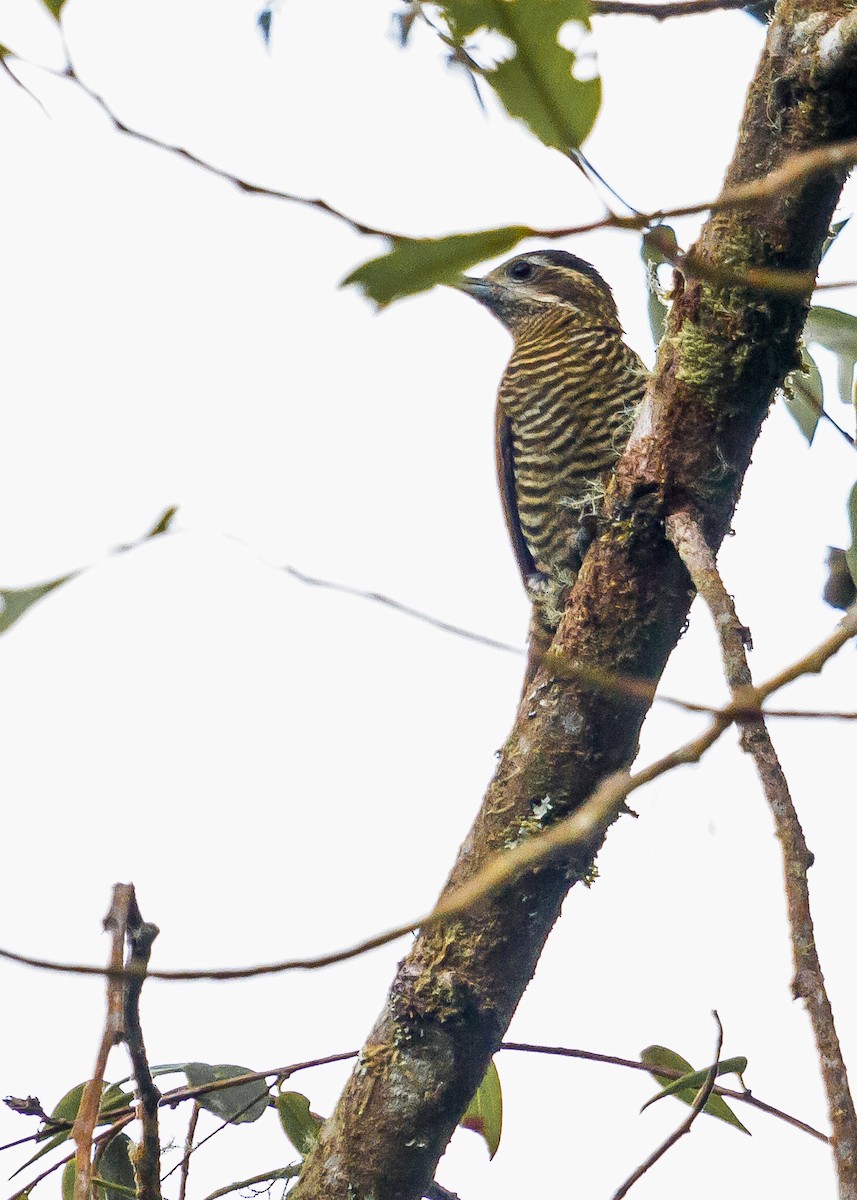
[569, 394]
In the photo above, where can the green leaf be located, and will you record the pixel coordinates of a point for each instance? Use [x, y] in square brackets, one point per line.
[696, 1079]
[840, 589]
[484, 1113]
[69, 1177]
[416, 264]
[16, 601]
[660, 1056]
[114, 1175]
[535, 81]
[112, 1099]
[240, 1104]
[54, 6]
[851, 552]
[804, 396]
[837, 332]
[116, 1167]
[299, 1124]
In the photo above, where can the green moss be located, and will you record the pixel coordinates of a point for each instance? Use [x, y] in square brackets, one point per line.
[703, 361]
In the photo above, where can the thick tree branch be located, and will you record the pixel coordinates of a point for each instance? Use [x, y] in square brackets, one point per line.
[725, 352]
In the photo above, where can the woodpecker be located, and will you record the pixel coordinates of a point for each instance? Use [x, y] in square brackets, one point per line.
[565, 408]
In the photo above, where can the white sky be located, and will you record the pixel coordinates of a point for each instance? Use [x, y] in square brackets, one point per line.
[280, 770]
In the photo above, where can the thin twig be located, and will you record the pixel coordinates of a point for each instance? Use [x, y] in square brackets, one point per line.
[808, 983]
[698, 1105]
[116, 924]
[379, 598]
[227, 1121]
[173, 1098]
[745, 196]
[579, 829]
[188, 1149]
[264, 1177]
[681, 8]
[98, 1140]
[745, 1096]
[19, 83]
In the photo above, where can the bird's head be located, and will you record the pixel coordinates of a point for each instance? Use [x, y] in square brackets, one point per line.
[529, 287]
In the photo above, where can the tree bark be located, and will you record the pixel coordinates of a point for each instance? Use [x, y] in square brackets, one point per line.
[726, 350]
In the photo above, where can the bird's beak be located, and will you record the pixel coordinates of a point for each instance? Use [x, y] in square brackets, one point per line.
[479, 289]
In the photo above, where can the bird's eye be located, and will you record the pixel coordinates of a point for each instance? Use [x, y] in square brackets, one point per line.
[520, 271]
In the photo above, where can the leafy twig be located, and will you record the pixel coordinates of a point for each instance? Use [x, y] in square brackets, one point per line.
[686, 1125]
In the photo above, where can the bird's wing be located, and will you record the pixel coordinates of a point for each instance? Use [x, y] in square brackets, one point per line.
[506, 479]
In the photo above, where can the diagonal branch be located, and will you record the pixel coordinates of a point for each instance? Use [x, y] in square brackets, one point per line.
[808, 982]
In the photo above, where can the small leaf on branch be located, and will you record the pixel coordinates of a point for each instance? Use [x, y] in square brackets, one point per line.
[54, 6]
[114, 1179]
[484, 1113]
[299, 1124]
[804, 396]
[687, 1087]
[837, 332]
[416, 264]
[536, 79]
[243, 1103]
[16, 601]
[65, 1112]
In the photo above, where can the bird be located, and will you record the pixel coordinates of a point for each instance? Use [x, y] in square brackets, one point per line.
[565, 410]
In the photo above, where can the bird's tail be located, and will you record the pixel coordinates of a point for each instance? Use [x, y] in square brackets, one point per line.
[538, 644]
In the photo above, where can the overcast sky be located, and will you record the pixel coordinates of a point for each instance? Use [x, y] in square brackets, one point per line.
[282, 770]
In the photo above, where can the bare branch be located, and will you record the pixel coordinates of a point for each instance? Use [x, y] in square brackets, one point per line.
[405, 609]
[681, 8]
[116, 924]
[264, 1177]
[808, 983]
[188, 1150]
[147, 1162]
